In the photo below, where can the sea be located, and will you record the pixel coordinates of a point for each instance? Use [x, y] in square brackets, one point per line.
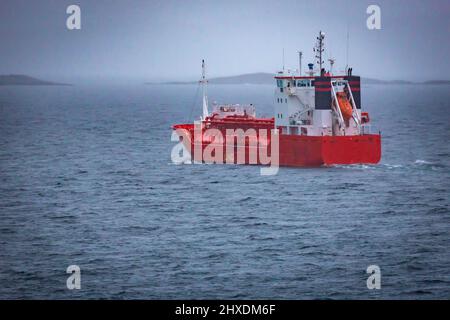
[86, 179]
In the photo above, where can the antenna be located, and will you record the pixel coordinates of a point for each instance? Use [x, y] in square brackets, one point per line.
[331, 60]
[300, 54]
[346, 59]
[204, 81]
[283, 59]
[319, 48]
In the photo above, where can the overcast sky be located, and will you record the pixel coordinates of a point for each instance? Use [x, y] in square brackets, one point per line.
[166, 40]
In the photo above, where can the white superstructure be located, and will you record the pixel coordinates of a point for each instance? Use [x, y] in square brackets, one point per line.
[318, 104]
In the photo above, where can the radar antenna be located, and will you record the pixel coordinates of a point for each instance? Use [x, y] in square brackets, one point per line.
[331, 60]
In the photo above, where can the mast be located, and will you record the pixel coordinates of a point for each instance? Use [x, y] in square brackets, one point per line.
[300, 54]
[319, 50]
[204, 81]
[346, 58]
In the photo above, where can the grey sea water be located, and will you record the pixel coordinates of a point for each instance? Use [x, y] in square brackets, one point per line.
[86, 179]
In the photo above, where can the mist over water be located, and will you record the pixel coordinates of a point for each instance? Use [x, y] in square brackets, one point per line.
[86, 179]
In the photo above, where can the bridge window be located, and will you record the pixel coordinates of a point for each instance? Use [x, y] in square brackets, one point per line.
[280, 83]
[304, 83]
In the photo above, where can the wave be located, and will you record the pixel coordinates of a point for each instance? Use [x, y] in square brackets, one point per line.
[424, 162]
[418, 164]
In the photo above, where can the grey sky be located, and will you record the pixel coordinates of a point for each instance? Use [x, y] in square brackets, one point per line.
[162, 40]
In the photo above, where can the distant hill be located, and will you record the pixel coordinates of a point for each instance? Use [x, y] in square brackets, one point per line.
[267, 78]
[23, 80]
[377, 81]
[437, 82]
[249, 78]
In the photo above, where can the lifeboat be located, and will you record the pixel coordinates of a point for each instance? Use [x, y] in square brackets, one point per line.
[344, 105]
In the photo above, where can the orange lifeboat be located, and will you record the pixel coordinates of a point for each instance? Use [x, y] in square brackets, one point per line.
[344, 105]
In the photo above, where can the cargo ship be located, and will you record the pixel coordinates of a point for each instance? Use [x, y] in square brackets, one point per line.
[317, 121]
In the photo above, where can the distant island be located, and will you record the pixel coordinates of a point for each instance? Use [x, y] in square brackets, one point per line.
[23, 80]
[437, 82]
[267, 78]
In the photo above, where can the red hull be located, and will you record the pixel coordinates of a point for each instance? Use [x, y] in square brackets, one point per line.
[300, 151]
[295, 150]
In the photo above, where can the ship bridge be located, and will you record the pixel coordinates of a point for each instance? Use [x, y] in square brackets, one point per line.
[308, 105]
